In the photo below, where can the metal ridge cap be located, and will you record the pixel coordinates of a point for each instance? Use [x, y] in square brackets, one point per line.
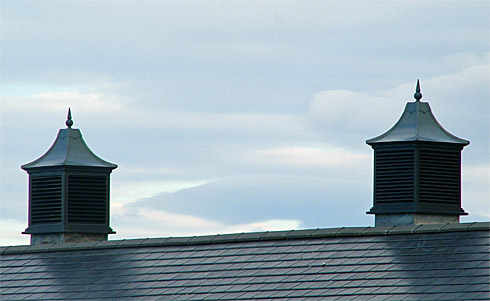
[249, 236]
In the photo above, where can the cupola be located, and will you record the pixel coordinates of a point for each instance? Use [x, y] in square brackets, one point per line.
[68, 192]
[417, 170]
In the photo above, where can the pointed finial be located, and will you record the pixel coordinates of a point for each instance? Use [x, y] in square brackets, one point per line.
[417, 94]
[69, 122]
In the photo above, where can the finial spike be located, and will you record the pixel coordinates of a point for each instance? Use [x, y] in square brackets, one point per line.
[69, 122]
[417, 94]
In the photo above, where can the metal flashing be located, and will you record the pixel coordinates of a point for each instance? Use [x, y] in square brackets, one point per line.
[14, 249]
[225, 238]
[176, 241]
[351, 231]
[85, 244]
[131, 242]
[200, 239]
[253, 236]
[272, 235]
[40, 247]
[403, 229]
[153, 241]
[108, 244]
[326, 232]
[383, 230]
[429, 228]
[479, 226]
[300, 234]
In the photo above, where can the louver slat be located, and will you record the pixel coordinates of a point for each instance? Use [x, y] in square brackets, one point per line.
[46, 199]
[394, 179]
[439, 176]
[87, 199]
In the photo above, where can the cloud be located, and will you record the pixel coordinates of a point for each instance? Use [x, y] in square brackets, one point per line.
[348, 117]
[10, 232]
[243, 169]
[315, 202]
[223, 107]
[229, 56]
[307, 156]
[476, 192]
[160, 223]
[129, 191]
[457, 101]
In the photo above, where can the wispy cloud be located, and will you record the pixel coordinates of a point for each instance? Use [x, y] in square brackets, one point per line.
[231, 115]
[308, 156]
[160, 223]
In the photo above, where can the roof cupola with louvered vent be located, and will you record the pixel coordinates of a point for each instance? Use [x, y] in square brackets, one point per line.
[417, 170]
[68, 192]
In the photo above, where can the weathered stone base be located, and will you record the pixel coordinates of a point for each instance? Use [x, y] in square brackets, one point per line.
[413, 219]
[65, 237]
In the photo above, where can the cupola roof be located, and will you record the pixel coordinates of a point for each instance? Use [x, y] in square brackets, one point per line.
[69, 149]
[417, 123]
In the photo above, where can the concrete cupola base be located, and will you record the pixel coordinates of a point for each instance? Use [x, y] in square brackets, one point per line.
[54, 238]
[406, 219]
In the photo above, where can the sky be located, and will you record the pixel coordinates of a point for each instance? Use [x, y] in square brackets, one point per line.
[237, 116]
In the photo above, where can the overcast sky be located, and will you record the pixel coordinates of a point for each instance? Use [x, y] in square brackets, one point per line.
[232, 116]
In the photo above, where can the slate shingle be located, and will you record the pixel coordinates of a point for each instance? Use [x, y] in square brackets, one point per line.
[326, 264]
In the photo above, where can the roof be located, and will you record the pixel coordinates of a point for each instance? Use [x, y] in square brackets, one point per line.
[443, 262]
[417, 123]
[69, 149]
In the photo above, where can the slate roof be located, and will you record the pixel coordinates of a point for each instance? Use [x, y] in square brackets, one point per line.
[425, 262]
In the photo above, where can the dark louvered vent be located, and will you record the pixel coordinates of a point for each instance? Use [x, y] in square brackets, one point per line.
[439, 176]
[46, 199]
[394, 176]
[87, 199]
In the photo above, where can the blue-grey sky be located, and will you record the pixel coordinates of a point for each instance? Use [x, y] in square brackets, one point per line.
[232, 116]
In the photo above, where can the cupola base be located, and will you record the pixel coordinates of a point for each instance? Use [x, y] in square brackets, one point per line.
[404, 219]
[54, 238]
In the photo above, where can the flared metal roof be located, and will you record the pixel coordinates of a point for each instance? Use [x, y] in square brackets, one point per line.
[69, 149]
[417, 123]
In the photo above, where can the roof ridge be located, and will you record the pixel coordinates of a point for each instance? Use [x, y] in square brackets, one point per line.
[251, 236]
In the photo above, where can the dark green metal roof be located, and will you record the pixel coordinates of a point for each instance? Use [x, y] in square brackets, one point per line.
[425, 262]
[69, 149]
[417, 123]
